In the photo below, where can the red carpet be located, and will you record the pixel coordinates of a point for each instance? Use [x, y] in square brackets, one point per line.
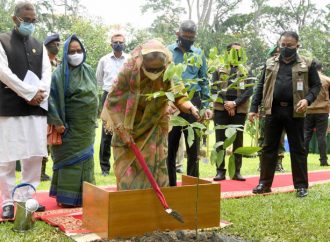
[280, 180]
[69, 220]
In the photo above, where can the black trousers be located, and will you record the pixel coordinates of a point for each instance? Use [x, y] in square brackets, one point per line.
[320, 122]
[173, 145]
[223, 118]
[105, 146]
[282, 119]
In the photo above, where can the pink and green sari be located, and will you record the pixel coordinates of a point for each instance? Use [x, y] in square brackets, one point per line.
[146, 121]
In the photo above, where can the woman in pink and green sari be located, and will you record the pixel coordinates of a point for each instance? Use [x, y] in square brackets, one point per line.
[130, 115]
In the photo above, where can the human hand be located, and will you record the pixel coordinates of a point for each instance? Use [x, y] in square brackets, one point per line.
[171, 109]
[38, 98]
[230, 105]
[231, 112]
[125, 136]
[60, 129]
[208, 114]
[252, 116]
[302, 106]
[195, 112]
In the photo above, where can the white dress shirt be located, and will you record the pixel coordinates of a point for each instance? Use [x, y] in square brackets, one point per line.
[108, 69]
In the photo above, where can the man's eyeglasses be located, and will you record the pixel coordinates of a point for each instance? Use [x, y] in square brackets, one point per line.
[72, 52]
[27, 20]
[57, 44]
[288, 46]
[191, 38]
[118, 42]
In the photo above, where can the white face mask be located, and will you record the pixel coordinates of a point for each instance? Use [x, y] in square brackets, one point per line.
[76, 59]
[152, 76]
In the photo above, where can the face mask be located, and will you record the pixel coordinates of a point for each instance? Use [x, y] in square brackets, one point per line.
[76, 59]
[118, 47]
[288, 52]
[26, 29]
[185, 43]
[53, 50]
[152, 76]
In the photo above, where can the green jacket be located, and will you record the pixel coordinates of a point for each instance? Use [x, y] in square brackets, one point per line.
[222, 84]
[299, 73]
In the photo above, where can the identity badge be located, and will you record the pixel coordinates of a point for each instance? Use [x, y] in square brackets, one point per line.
[300, 85]
[241, 85]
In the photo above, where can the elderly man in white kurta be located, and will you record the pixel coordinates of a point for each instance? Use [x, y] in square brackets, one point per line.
[23, 104]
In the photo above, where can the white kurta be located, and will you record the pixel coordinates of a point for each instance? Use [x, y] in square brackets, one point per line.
[25, 136]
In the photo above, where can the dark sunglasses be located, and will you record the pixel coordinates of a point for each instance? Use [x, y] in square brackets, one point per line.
[155, 70]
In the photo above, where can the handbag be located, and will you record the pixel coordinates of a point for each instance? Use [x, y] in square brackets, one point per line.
[53, 137]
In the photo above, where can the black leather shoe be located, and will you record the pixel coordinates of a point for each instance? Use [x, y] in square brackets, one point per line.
[41, 208]
[44, 177]
[221, 175]
[238, 177]
[105, 173]
[260, 189]
[8, 212]
[279, 167]
[179, 170]
[302, 192]
[62, 205]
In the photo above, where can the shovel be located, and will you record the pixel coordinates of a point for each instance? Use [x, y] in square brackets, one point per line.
[153, 183]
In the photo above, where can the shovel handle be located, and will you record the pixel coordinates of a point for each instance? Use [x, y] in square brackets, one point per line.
[149, 175]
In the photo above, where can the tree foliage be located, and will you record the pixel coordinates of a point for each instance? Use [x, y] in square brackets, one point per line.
[219, 23]
[93, 33]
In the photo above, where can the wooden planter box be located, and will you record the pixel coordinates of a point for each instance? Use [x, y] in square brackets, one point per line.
[118, 214]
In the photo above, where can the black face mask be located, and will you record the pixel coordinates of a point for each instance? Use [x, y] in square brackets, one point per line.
[53, 50]
[288, 52]
[185, 43]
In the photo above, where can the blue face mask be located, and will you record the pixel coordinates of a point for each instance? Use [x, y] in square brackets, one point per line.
[26, 29]
[118, 47]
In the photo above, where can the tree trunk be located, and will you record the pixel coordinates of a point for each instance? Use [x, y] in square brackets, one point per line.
[190, 5]
[198, 12]
[208, 14]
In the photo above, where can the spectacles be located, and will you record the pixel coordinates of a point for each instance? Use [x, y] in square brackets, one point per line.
[57, 44]
[155, 70]
[27, 20]
[192, 38]
[288, 46]
[118, 42]
[72, 52]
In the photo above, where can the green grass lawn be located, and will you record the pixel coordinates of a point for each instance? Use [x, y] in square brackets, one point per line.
[249, 167]
[281, 217]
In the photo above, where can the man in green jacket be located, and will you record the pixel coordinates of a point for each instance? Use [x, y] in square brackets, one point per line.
[317, 117]
[289, 84]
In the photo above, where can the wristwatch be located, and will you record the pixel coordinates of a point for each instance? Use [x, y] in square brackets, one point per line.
[235, 103]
